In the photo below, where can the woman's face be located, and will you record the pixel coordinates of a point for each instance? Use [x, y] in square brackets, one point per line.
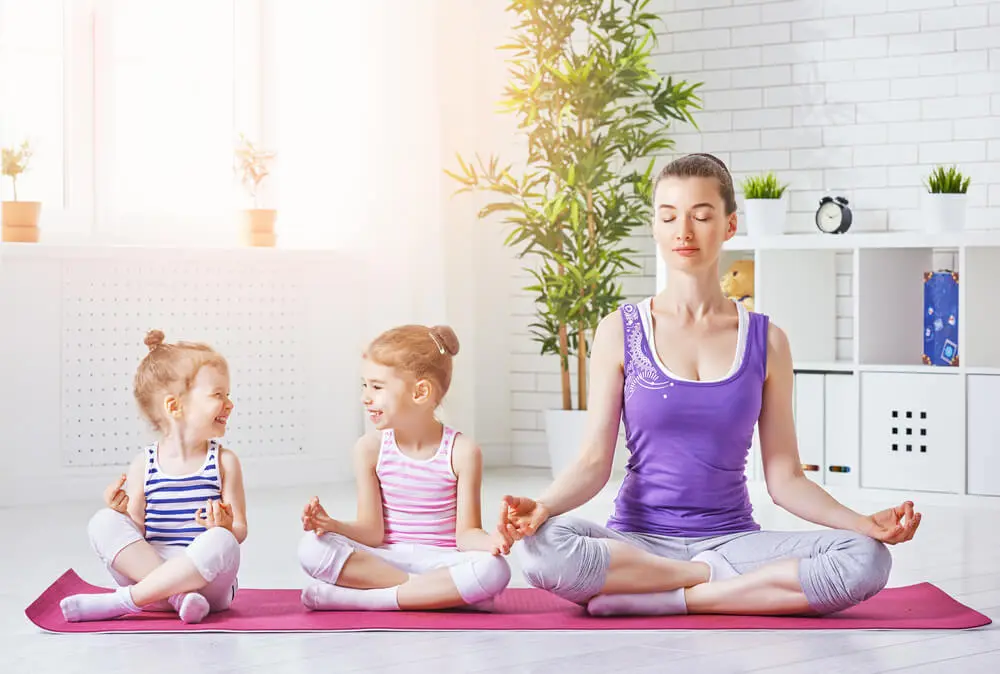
[690, 222]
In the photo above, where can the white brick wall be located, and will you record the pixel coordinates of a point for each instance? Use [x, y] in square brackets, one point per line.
[858, 97]
[535, 381]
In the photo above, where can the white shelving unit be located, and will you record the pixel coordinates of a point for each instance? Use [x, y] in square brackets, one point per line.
[869, 414]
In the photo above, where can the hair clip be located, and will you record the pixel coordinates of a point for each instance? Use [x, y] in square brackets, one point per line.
[439, 345]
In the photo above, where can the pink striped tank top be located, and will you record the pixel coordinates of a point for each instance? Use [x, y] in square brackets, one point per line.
[419, 497]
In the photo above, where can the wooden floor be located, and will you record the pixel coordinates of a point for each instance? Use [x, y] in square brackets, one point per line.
[958, 549]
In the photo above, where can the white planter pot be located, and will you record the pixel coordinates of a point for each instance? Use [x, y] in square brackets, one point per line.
[944, 212]
[765, 216]
[564, 430]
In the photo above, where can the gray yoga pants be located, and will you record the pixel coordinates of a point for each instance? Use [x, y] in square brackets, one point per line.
[569, 557]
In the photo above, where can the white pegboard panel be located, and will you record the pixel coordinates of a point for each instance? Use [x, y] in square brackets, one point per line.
[252, 313]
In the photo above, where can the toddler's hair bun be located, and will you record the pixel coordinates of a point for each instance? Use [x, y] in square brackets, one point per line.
[154, 338]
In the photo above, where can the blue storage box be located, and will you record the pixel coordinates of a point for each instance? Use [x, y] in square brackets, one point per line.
[941, 318]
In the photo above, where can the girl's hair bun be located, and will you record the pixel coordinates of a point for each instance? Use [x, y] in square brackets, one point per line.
[447, 338]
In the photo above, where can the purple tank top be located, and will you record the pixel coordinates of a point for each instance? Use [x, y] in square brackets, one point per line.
[688, 441]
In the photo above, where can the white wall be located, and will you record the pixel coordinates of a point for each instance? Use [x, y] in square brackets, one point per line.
[469, 75]
[860, 99]
[73, 323]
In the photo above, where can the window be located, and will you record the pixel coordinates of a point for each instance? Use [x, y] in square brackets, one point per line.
[165, 92]
[32, 41]
[325, 119]
[167, 98]
[134, 109]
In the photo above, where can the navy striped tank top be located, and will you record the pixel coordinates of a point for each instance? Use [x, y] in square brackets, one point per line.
[173, 500]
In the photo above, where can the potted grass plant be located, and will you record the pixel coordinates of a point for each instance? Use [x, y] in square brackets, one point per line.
[18, 219]
[595, 115]
[765, 208]
[945, 200]
[254, 165]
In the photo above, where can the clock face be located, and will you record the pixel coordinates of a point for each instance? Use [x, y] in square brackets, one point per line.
[828, 217]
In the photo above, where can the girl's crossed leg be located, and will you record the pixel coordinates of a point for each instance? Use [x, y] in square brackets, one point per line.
[193, 580]
[399, 576]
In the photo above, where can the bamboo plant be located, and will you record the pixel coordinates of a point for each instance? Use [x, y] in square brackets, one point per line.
[595, 114]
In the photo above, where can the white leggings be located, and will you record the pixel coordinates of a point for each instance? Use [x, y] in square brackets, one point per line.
[215, 554]
[478, 575]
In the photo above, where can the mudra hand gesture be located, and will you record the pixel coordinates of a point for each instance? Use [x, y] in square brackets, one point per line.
[115, 497]
[215, 514]
[315, 518]
[521, 516]
[893, 525]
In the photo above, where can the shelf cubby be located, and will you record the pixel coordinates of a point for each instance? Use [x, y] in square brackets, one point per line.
[798, 290]
[890, 284]
[979, 329]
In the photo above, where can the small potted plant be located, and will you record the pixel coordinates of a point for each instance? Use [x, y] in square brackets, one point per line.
[19, 218]
[765, 209]
[253, 164]
[945, 200]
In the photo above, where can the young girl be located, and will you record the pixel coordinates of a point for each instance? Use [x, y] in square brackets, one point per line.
[418, 541]
[171, 532]
[691, 373]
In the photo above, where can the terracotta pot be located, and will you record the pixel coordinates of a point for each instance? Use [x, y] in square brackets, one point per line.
[20, 221]
[258, 226]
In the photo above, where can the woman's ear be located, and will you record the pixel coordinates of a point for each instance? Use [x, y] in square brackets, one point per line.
[731, 223]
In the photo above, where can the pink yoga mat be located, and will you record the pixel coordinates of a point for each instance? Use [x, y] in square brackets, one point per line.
[921, 606]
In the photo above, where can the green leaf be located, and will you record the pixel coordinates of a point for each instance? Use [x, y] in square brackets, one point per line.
[595, 117]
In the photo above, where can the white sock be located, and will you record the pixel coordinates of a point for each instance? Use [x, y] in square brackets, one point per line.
[190, 606]
[81, 607]
[326, 597]
[651, 603]
[720, 569]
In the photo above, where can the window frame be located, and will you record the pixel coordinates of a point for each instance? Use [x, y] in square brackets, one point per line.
[87, 213]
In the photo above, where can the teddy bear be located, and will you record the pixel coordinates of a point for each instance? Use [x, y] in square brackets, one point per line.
[737, 282]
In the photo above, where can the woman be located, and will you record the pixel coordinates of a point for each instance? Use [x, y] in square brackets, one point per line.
[682, 538]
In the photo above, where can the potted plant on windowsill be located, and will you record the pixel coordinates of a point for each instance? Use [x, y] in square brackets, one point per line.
[18, 219]
[254, 165]
[765, 209]
[945, 200]
[595, 114]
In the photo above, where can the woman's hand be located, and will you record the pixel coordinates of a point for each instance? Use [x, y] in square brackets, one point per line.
[521, 516]
[893, 525]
